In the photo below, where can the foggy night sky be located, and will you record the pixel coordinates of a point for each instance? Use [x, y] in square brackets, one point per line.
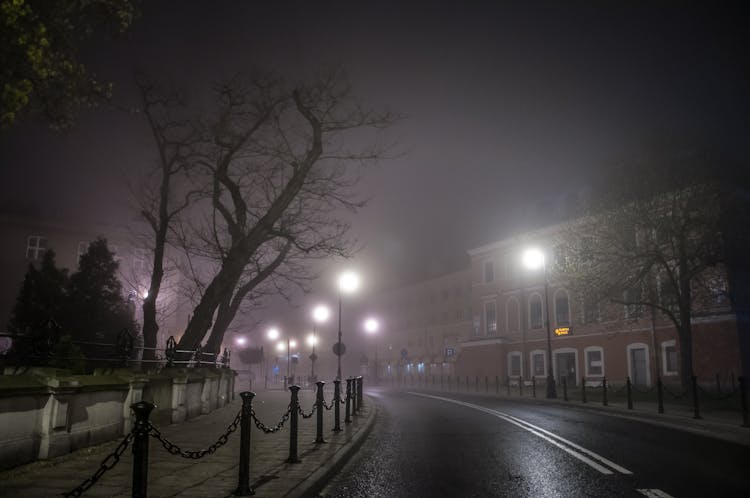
[507, 105]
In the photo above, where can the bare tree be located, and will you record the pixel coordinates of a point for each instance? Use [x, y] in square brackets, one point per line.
[652, 239]
[166, 190]
[282, 165]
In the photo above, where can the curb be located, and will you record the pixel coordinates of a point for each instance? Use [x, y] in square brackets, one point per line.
[318, 479]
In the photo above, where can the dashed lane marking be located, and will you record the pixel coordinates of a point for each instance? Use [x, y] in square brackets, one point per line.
[654, 493]
[586, 456]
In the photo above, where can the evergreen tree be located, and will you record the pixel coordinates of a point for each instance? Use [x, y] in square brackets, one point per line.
[41, 298]
[96, 309]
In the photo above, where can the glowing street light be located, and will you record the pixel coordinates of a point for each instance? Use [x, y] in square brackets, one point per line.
[371, 327]
[533, 259]
[320, 314]
[240, 341]
[348, 282]
[273, 333]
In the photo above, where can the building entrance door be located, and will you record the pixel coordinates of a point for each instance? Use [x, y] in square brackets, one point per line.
[638, 371]
[566, 368]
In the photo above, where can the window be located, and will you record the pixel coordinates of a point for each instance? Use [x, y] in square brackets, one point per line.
[562, 310]
[514, 364]
[490, 318]
[669, 357]
[535, 311]
[489, 272]
[632, 298]
[667, 293]
[594, 361]
[717, 290]
[561, 257]
[36, 245]
[537, 363]
[590, 309]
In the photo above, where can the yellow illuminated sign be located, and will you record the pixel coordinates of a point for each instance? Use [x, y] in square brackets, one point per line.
[562, 331]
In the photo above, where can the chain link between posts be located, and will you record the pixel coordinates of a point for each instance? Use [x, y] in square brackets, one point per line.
[270, 430]
[642, 391]
[108, 463]
[299, 410]
[719, 396]
[174, 449]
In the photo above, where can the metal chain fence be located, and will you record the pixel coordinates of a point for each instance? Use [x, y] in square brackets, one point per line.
[174, 449]
[108, 463]
[270, 430]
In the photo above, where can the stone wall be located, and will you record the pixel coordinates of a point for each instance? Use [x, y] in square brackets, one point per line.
[47, 412]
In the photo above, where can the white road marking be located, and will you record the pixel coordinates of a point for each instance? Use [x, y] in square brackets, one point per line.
[654, 493]
[547, 436]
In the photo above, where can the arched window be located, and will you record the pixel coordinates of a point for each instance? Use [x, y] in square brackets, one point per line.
[489, 272]
[535, 311]
[562, 308]
[513, 314]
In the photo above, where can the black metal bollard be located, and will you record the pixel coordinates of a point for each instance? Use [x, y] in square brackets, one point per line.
[604, 391]
[336, 405]
[348, 406]
[319, 407]
[467, 383]
[583, 390]
[659, 395]
[360, 392]
[486, 384]
[141, 429]
[355, 398]
[243, 482]
[441, 382]
[696, 404]
[476, 383]
[629, 393]
[520, 385]
[497, 384]
[565, 388]
[533, 386]
[743, 400]
[293, 428]
[508, 383]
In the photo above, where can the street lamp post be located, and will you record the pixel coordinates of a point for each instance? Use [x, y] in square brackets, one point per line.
[372, 326]
[320, 315]
[533, 259]
[348, 282]
[272, 334]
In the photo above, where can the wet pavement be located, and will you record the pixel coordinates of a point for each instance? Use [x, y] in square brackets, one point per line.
[217, 474]
[434, 444]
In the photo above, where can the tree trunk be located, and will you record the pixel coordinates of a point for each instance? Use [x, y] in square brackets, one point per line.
[150, 328]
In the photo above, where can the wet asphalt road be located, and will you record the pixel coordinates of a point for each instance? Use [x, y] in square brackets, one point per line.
[427, 447]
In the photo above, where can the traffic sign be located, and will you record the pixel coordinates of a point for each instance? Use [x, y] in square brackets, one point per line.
[339, 349]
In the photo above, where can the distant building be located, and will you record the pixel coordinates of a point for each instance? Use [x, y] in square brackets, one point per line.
[422, 327]
[26, 239]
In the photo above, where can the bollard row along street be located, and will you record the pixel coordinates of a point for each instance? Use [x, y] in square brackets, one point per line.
[279, 466]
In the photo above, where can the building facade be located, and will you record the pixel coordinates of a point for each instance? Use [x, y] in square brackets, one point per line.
[422, 328]
[586, 340]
